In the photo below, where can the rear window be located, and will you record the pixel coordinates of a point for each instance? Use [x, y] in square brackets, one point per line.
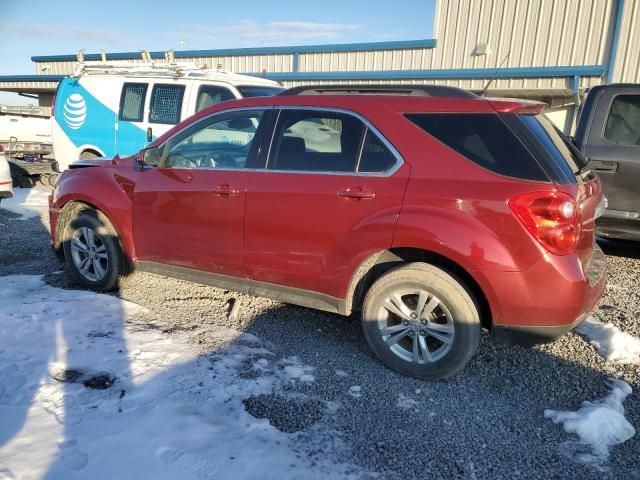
[166, 104]
[485, 139]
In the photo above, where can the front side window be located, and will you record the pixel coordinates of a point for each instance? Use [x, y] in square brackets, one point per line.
[132, 102]
[623, 122]
[211, 95]
[166, 104]
[222, 143]
[316, 141]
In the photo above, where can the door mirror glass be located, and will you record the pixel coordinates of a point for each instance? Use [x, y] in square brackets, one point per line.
[151, 156]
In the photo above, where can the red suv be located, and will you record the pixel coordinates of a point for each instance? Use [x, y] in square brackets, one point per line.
[432, 211]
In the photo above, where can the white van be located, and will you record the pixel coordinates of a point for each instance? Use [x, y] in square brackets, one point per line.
[106, 109]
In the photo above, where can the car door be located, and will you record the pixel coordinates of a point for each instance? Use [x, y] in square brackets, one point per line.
[188, 210]
[328, 197]
[613, 147]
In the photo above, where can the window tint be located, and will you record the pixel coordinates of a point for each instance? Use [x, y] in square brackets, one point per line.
[259, 91]
[484, 139]
[316, 141]
[166, 103]
[223, 143]
[210, 95]
[623, 122]
[132, 101]
[375, 156]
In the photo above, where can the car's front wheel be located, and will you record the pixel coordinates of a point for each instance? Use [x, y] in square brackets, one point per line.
[421, 321]
[93, 252]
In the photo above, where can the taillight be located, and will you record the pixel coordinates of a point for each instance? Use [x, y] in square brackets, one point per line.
[551, 217]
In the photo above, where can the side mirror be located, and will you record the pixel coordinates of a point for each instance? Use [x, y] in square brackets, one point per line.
[150, 157]
[149, 135]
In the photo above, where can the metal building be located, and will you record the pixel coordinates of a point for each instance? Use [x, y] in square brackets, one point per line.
[550, 50]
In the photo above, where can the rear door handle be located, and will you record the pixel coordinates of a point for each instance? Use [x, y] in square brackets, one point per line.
[357, 193]
[225, 190]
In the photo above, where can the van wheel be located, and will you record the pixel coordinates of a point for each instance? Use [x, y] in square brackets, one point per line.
[421, 321]
[93, 252]
[88, 155]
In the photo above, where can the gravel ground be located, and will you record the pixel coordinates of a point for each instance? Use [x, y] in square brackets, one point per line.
[485, 423]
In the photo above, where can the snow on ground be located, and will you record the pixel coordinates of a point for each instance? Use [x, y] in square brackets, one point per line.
[89, 389]
[612, 343]
[27, 202]
[599, 425]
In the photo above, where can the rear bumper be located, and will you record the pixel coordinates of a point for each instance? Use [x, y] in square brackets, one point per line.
[547, 300]
[619, 225]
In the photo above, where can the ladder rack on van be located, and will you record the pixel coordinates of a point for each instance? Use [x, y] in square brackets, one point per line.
[145, 66]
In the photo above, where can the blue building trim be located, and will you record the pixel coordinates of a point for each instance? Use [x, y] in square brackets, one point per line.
[616, 38]
[31, 78]
[226, 52]
[466, 73]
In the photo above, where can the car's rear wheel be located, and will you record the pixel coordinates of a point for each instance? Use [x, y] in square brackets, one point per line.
[421, 321]
[93, 252]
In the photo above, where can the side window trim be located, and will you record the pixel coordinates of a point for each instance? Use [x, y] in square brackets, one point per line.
[399, 160]
[122, 97]
[257, 144]
[154, 91]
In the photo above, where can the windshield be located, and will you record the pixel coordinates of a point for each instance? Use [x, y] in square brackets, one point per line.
[250, 91]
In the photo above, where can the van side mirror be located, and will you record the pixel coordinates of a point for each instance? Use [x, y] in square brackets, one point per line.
[149, 135]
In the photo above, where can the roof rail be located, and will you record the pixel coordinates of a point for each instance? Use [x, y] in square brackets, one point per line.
[411, 90]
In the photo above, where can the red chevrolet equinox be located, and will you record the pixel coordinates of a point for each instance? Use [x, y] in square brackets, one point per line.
[432, 211]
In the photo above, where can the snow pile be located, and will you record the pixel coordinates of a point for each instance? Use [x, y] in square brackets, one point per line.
[90, 389]
[612, 343]
[600, 425]
[28, 202]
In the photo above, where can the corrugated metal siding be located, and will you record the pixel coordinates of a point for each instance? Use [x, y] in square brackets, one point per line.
[627, 67]
[533, 33]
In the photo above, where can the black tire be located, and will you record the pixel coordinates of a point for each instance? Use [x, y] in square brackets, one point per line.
[116, 268]
[455, 318]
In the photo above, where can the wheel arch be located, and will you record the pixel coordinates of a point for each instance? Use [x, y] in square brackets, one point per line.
[66, 214]
[379, 263]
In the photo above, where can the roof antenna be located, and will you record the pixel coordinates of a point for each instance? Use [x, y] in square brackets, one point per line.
[486, 87]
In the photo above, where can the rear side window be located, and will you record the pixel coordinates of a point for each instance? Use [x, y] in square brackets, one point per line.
[623, 122]
[132, 102]
[166, 104]
[316, 141]
[375, 157]
[210, 95]
[484, 139]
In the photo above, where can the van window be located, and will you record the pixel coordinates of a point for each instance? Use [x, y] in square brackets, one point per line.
[484, 139]
[166, 103]
[210, 95]
[623, 122]
[316, 141]
[132, 102]
[251, 91]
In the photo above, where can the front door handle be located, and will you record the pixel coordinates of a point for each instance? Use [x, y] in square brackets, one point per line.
[357, 193]
[225, 190]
